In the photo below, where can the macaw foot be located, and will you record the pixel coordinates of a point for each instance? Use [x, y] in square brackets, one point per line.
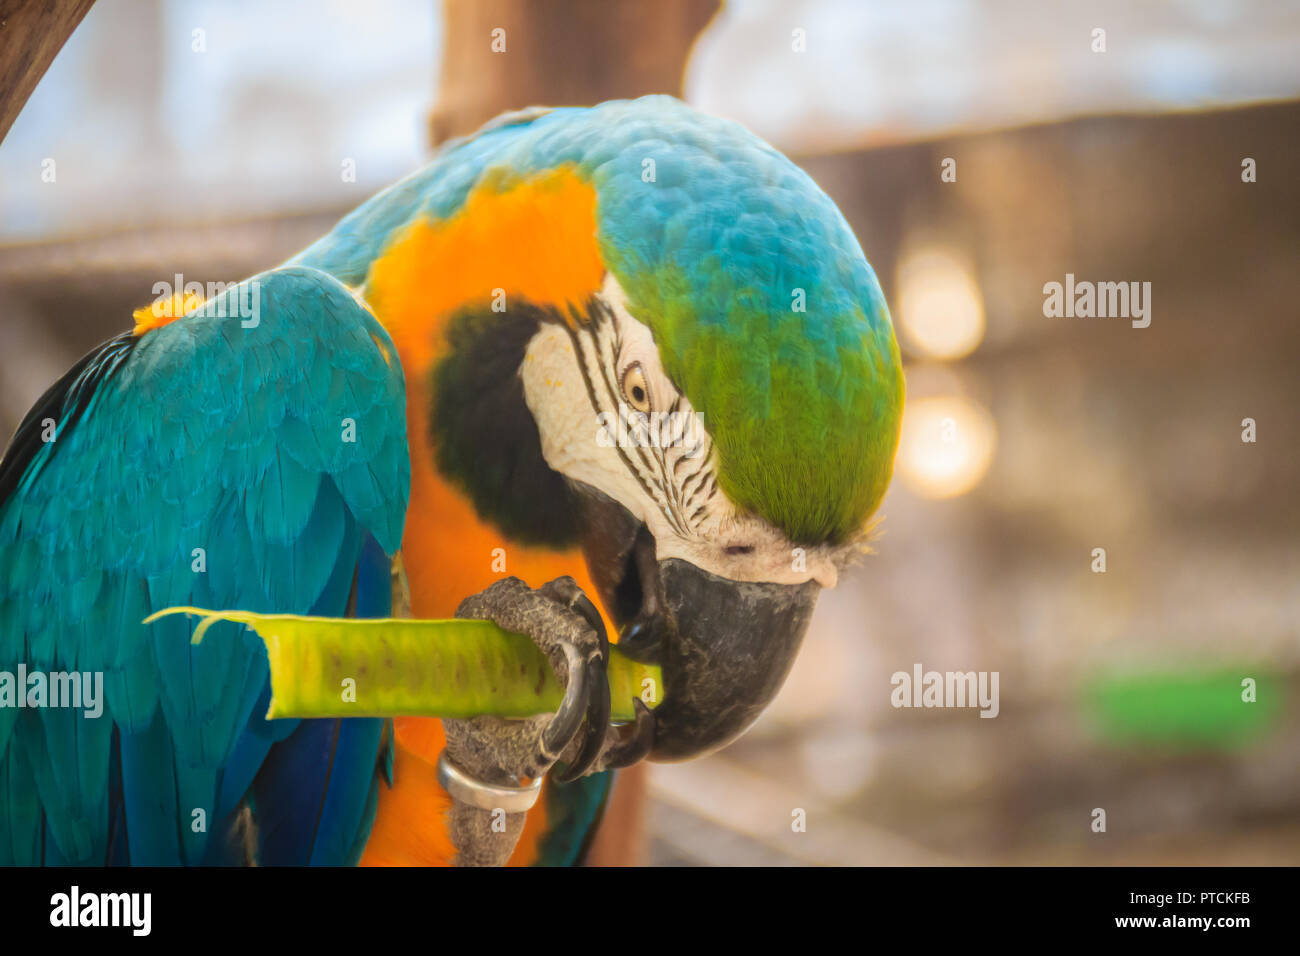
[493, 767]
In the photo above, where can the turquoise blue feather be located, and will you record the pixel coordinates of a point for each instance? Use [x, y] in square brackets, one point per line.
[572, 812]
[205, 435]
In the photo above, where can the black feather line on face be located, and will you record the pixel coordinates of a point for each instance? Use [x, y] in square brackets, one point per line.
[484, 437]
[604, 395]
[598, 367]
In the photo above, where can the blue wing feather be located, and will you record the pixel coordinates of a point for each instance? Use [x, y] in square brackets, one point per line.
[204, 463]
[573, 810]
[305, 801]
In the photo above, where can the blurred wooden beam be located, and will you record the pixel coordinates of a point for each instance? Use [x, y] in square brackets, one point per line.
[558, 53]
[32, 32]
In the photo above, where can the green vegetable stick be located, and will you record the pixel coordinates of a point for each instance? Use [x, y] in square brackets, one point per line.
[395, 667]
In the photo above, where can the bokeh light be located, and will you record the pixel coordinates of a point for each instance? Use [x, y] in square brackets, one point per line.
[941, 310]
[946, 446]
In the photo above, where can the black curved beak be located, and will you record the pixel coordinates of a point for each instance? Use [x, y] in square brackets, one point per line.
[725, 646]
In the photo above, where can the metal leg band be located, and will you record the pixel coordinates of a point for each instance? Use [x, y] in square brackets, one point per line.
[485, 796]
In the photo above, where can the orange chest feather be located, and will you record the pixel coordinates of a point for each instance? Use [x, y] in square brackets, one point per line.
[534, 239]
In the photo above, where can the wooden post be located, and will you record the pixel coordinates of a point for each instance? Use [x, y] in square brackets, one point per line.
[31, 33]
[508, 54]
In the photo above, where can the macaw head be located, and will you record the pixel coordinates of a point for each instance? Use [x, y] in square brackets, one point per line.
[703, 384]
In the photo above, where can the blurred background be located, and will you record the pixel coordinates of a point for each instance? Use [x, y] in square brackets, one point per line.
[215, 138]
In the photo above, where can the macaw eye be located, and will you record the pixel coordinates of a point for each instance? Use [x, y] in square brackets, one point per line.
[635, 390]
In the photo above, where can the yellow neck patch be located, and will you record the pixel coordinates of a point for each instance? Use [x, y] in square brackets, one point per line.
[163, 311]
[532, 238]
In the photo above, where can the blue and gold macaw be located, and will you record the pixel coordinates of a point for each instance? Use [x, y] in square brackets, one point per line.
[631, 335]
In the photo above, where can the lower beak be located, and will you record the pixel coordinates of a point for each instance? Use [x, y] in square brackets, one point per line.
[725, 646]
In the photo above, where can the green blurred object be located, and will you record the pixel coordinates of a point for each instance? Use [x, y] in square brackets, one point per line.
[1183, 709]
[402, 667]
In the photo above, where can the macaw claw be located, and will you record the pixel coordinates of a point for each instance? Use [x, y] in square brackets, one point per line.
[565, 591]
[488, 759]
[565, 625]
[631, 746]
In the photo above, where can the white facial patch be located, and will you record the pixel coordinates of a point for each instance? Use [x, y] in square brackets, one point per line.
[609, 417]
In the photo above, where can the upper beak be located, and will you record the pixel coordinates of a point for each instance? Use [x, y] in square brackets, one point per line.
[725, 646]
